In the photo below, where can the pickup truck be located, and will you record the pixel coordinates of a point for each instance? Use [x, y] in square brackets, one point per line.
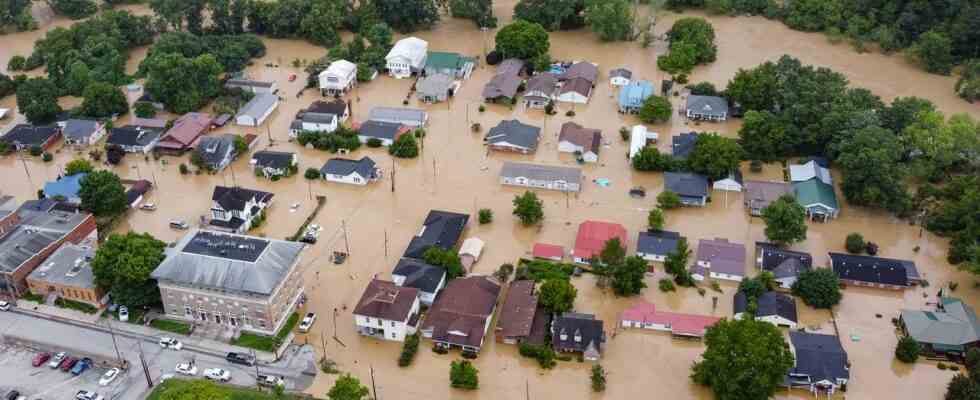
[270, 380]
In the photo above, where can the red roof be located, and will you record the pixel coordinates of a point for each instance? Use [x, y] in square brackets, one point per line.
[680, 324]
[186, 130]
[592, 236]
[548, 251]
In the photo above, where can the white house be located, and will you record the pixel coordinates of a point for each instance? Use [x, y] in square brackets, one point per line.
[339, 77]
[234, 209]
[134, 139]
[428, 279]
[639, 138]
[585, 142]
[352, 172]
[316, 122]
[387, 311]
[257, 110]
[719, 259]
[577, 90]
[539, 176]
[407, 57]
[274, 163]
[620, 77]
[731, 183]
[772, 307]
[252, 86]
[82, 132]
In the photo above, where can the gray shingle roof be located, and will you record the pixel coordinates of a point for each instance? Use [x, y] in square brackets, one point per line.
[343, 167]
[79, 128]
[516, 133]
[621, 72]
[707, 105]
[398, 115]
[259, 105]
[952, 324]
[683, 144]
[30, 135]
[821, 357]
[769, 304]
[273, 159]
[419, 275]
[214, 149]
[781, 262]
[435, 85]
[541, 172]
[657, 242]
[686, 184]
[133, 135]
[440, 228]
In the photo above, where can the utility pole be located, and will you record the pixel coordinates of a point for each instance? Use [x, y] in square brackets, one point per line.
[335, 323]
[386, 244]
[343, 224]
[255, 362]
[112, 334]
[527, 390]
[26, 171]
[393, 175]
[374, 389]
[268, 132]
[146, 370]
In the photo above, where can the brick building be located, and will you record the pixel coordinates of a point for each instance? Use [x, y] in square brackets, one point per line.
[67, 273]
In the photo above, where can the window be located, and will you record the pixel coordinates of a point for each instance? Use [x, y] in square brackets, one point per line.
[187, 310]
[392, 324]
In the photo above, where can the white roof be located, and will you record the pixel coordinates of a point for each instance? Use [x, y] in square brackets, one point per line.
[810, 170]
[639, 137]
[472, 246]
[412, 48]
[340, 68]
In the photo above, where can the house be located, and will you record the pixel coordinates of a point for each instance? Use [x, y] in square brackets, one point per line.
[386, 132]
[470, 251]
[546, 251]
[184, 133]
[950, 329]
[428, 279]
[337, 107]
[585, 142]
[25, 136]
[313, 122]
[257, 110]
[818, 198]
[719, 259]
[512, 135]
[83, 132]
[640, 137]
[759, 194]
[541, 90]
[785, 265]
[821, 362]
[580, 70]
[338, 78]
[655, 245]
[706, 108]
[274, 163]
[407, 57]
[502, 87]
[441, 229]
[578, 333]
[691, 188]
[252, 86]
[452, 64]
[874, 272]
[772, 307]
[67, 274]
[644, 315]
[409, 117]
[134, 139]
[808, 171]
[387, 311]
[136, 191]
[512, 66]
[461, 315]
[517, 313]
[435, 88]
[65, 188]
[217, 151]
[146, 123]
[235, 209]
[231, 282]
[620, 77]
[682, 145]
[632, 96]
[565, 179]
[731, 183]
[577, 82]
[353, 172]
[592, 237]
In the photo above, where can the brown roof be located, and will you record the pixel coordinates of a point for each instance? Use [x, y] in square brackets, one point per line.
[517, 314]
[502, 85]
[582, 69]
[186, 130]
[580, 85]
[385, 300]
[545, 82]
[460, 313]
[760, 193]
[586, 138]
[510, 66]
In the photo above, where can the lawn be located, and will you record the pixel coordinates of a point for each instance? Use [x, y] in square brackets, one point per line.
[182, 388]
[32, 297]
[267, 343]
[171, 326]
[76, 305]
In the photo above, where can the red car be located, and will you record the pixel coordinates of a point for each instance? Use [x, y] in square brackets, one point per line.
[40, 359]
[68, 364]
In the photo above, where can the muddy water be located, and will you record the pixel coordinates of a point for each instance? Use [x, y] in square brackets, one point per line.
[456, 173]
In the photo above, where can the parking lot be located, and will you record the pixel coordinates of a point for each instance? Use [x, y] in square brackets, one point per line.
[48, 383]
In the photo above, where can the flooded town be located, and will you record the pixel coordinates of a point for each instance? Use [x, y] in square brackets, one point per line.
[241, 228]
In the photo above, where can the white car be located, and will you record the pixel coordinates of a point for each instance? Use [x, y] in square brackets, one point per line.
[109, 376]
[217, 374]
[186, 369]
[148, 207]
[88, 395]
[57, 359]
[4, 306]
[307, 322]
[123, 314]
[171, 343]
[165, 377]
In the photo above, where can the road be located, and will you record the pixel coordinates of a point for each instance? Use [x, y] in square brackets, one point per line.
[16, 373]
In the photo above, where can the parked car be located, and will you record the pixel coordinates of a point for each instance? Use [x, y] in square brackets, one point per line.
[88, 395]
[307, 322]
[109, 376]
[40, 359]
[179, 224]
[56, 361]
[148, 207]
[240, 358]
[81, 366]
[68, 364]
[186, 369]
[13, 395]
[270, 380]
[171, 343]
[123, 313]
[217, 374]
[4, 306]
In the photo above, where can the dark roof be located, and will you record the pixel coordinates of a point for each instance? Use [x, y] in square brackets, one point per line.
[419, 275]
[572, 324]
[379, 129]
[686, 184]
[870, 269]
[544, 82]
[131, 135]
[657, 242]
[621, 72]
[248, 83]
[463, 307]
[214, 149]
[708, 105]
[80, 128]
[515, 132]
[502, 85]
[385, 300]
[587, 138]
[238, 248]
[781, 262]
[511, 66]
[821, 357]
[582, 69]
[441, 228]
[336, 107]
[683, 144]
[517, 315]
[30, 135]
[581, 86]
[273, 159]
[138, 189]
[343, 167]
[234, 198]
[768, 304]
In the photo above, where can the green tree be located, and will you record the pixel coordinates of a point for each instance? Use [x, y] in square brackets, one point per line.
[668, 200]
[528, 208]
[37, 99]
[736, 346]
[873, 175]
[448, 260]
[903, 112]
[553, 15]
[522, 39]
[79, 77]
[655, 219]
[486, 216]
[907, 350]
[968, 85]
[676, 262]
[102, 100]
[613, 252]
[203, 389]
[312, 173]
[785, 220]
[463, 375]
[404, 147]
[78, 166]
[598, 378]
[933, 52]
[757, 88]
[854, 243]
[74, 9]
[144, 109]
[813, 15]
[703, 89]
[961, 387]
[408, 15]
[763, 136]
[347, 387]
[651, 159]
[480, 11]
[103, 194]
[655, 109]
[610, 19]
[122, 266]
[698, 32]
[627, 277]
[818, 287]
[183, 84]
[557, 295]
[320, 25]
[714, 156]
[7, 86]
[680, 60]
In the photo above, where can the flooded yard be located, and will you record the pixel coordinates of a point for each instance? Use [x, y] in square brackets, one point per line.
[456, 173]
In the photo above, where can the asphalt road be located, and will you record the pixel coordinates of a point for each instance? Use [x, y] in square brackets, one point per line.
[16, 371]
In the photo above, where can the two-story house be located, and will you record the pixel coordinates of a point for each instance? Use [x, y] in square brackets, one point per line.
[387, 311]
[234, 209]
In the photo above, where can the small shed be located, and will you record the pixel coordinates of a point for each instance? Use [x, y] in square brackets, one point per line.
[469, 252]
[551, 252]
[640, 138]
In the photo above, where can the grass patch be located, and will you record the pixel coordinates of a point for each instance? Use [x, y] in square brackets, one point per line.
[76, 305]
[171, 326]
[179, 388]
[32, 297]
[541, 270]
[268, 343]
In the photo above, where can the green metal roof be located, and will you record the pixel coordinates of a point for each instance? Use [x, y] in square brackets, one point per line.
[953, 325]
[444, 60]
[814, 191]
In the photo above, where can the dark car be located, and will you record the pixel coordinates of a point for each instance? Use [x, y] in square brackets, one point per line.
[240, 358]
[40, 359]
[81, 366]
[13, 395]
[68, 364]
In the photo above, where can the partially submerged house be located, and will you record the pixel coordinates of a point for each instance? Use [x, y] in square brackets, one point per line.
[407, 57]
[632, 96]
[817, 198]
[759, 194]
[136, 191]
[503, 86]
[455, 65]
[877, 272]
[235, 209]
[577, 82]
[65, 189]
[184, 133]
[537, 176]
[337, 107]
[26, 136]
[620, 77]
[515, 136]
[83, 132]
[440, 229]
[252, 86]
[255, 112]
[410, 117]
[428, 279]
[691, 188]
[435, 88]
[950, 329]
[217, 151]
[470, 251]
[352, 172]
[772, 307]
[517, 314]
[785, 265]
[578, 333]
[654, 246]
[550, 252]
[386, 132]
[810, 170]
[338, 78]
[683, 144]
[134, 139]
[821, 363]
[67, 273]
[640, 137]
[387, 311]
[541, 90]
[592, 237]
[313, 122]
[582, 141]
[274, 163]
[461, 315]
[732, 183]
[719, 259]
[706, 108]
[645, 315]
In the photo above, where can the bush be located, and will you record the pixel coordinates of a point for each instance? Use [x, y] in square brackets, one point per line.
[183, 169]
[75, 305]
[486, 216]
[624, 134]
[144, 109]
[755, 166]
[543, 354]
[598, 377]
[46, 157]
[668, 200]
[482, 108]
[463, 375]
[854, 243]
[818, 287]
[666, 285]
[408, 351]
[942, 366]
[374, 142]
[655, 109]
[404, 147]
[570, 113]
[907, 350]
[16, 63]
[36, 151]
[311, 173]
[177, 327]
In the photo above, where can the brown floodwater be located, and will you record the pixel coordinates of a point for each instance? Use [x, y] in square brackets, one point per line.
[455, 172]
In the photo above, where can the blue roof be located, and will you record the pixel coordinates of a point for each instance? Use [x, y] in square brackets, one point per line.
[66, 187]
[635, 93]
